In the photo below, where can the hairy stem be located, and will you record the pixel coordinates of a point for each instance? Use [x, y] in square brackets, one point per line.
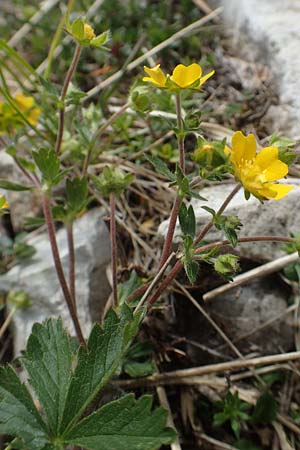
[59, 268]
[113, 248]
[71, 250]
[61, 119]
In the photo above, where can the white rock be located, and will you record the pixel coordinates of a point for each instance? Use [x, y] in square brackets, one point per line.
[268, 32]
[272, 218]
[37, 277]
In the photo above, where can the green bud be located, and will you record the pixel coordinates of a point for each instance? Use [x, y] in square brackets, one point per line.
[227, 265]
[139, 98]
[112, 181]
[19, 299]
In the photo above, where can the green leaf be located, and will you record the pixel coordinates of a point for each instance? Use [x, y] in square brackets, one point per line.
[9, 186]
[78, 29]
[187, 220]
[122, 425]
[265, 410]
[48, 361]
[76, 194]
[137, 369]
[101, 39]
[161, 167]
[244, 444]
[191, 269]
[48, 163]
[128, 287]
[98, 361]
[18, 414]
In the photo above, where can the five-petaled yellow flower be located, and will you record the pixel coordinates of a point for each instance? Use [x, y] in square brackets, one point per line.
[256, 171]
[183, 77]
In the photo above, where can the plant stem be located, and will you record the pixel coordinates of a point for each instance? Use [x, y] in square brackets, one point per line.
[219, 212]
[178, 266]
[59, 268]
[177, 202]
[180, 136]
[56, 38]
[7, 321]
[113, 248]
[70, 239]
[99, 133]
[61, 120]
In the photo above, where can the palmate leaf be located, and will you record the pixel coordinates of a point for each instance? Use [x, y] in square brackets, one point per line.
[98, 362]
[122, 425]
[18, 414]
[48, 361]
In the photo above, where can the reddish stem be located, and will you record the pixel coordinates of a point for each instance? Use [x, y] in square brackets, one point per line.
[70, 239]
[113, 248]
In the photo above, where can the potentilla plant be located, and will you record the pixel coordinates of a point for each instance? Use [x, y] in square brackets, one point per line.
[56, 407]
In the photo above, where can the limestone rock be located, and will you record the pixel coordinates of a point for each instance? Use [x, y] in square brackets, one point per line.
[37, 277]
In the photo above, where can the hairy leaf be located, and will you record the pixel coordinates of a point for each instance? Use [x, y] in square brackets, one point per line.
[123, 424]
[48, 361]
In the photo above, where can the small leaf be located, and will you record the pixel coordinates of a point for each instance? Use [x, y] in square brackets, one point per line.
[10, 186]
[101, 39]
[48, 360]
[265, 410]
[18, 414]
[187, 220]
[48, 163]
[78, 29]
[122, 425]
[76, 194]
[191, 269]
[137, 369]
[161, 167]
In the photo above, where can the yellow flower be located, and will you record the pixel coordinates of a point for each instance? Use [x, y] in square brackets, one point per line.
[183, 77]
[256, 171]
[186, 76]
[89, 33]
[156, 76]
[26, 106]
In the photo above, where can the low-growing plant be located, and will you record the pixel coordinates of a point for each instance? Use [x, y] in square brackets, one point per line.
[60, 407]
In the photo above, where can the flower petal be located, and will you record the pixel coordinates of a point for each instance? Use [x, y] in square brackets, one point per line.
[156, 75]
[206, 77]
[243, 147]
[280, 190]
[24, 103]
[184, 76]
[276, 170]
[267, 156]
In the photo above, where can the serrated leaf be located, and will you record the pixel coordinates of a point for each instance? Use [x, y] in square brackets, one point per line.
[48, 163]
[191, 269]
[18, 414]
[48, 361]
[122, 425]
[98, 361]
[76, 194]
[187, 220]
[161, 167]
[10, 186]
[100, 40]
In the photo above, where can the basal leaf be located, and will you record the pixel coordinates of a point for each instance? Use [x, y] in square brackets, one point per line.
[98, 361]
[122, 425]
[18, 414]
[48, 360]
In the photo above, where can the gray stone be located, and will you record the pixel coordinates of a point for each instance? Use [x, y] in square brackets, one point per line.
[37, 277]
[269, 32]
[272, 218]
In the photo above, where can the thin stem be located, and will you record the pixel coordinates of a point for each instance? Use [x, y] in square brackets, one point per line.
[181, 136]
[61, 120]
[59, 268]
[99, 133]
[113, 248]
[56, 38]
[71, 250]
[154, 281]
[7, 321]
[219, 212]
[178, 266]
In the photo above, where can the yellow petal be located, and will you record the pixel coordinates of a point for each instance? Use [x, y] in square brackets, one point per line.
[156, 75]
[280, 190]
[243, 147]
[34, 116]
[206, 77]
[266, 157]
[276, 170]
[184, 76]
[24, 103]
[88, 31]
